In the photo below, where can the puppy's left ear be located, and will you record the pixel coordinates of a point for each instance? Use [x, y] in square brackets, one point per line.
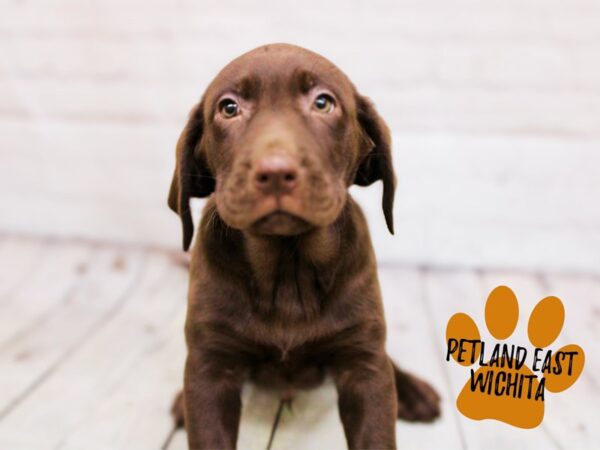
[376, 163]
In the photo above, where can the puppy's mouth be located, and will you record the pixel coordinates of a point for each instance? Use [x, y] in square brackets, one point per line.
[280, 223]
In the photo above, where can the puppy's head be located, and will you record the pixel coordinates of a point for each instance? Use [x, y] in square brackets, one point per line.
[278, 137]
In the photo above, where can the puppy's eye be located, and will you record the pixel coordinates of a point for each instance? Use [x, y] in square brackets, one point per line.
[324, 103]
[228, 108]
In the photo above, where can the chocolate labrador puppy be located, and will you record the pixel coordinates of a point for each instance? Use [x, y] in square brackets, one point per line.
[283, 279]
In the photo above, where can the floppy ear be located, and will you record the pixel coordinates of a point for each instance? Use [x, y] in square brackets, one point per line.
[192, 177]
[376, 161]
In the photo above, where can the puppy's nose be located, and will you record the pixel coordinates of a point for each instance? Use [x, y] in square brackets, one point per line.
[276, 175]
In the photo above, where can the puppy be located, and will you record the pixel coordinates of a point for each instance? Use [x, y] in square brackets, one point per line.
[283, 280]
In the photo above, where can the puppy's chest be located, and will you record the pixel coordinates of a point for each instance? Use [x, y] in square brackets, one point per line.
[293, 295]
[287, 342]
[290, 322]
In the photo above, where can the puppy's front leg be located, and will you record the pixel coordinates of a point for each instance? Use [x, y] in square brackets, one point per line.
[367, 402]
[212, 403]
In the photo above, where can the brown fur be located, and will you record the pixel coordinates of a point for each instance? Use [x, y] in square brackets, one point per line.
[283, 287]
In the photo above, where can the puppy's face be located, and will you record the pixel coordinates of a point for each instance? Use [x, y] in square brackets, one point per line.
[282, 140]
[279, 136]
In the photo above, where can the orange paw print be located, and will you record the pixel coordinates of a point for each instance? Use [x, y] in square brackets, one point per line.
[504, 387]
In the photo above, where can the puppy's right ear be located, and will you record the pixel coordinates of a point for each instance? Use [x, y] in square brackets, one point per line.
[192, 177]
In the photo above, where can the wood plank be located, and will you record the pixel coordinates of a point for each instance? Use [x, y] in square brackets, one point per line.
[27, 362]
[81, 370]
[449, 292]
[312, 421]
[19, 258]
[413, 345]
[133, 366]
[258, 415]
[60, 269]
[178, 441]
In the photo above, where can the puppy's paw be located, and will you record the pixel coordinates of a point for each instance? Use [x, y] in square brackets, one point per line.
[417, 400]
[177, 411]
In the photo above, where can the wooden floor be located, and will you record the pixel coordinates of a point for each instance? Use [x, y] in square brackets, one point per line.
[91, 353]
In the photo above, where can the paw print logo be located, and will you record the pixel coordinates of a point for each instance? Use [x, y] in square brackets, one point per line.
[510, 385]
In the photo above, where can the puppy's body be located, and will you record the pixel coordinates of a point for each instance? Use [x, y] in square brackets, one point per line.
[288, 304]
[283, 280]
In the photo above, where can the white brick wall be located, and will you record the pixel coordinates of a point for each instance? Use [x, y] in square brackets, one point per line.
[495, 106]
